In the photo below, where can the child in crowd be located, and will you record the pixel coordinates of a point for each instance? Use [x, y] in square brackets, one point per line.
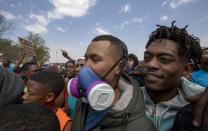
[43, 88]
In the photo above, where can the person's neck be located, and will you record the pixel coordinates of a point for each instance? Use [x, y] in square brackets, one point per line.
[117, 95]
[52, 107]
[158, 97]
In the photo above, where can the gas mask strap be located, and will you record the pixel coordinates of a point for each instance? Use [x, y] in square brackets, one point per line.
[103, 78]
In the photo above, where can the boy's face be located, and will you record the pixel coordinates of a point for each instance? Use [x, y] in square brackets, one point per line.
[130, 62]
[32, 69]
[35, 93]
[162, 67]
[80, 63]
[70, 68]
[100, 60]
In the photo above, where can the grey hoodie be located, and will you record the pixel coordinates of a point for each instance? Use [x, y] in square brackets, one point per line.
[11, 87]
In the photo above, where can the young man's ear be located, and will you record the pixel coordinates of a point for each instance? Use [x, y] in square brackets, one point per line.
[188, 68]
[50, 97]
[118, 67]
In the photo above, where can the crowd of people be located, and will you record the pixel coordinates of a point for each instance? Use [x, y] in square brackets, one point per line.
[109, 89]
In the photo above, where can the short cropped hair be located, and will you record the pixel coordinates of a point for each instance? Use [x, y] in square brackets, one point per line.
[70, 61]
[117, 47]
[27, 65]
[49, 79]
[28, 117]
[6, 62]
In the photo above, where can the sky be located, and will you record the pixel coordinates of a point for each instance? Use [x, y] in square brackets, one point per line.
[72, 24]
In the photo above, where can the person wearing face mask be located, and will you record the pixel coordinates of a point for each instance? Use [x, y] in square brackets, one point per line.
[132, 62]
[134, 69]
[108, 99]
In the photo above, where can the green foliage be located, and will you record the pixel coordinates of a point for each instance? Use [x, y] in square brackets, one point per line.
[42, 51]
[5, 26]
[9, 50]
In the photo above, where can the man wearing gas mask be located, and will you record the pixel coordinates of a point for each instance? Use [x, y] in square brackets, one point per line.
[108, 98]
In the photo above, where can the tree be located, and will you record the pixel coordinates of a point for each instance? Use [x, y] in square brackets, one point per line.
[5, 26]
[41, 50]
[9, 50]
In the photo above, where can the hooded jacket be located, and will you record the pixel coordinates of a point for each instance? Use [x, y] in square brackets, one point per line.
[11, 87]
[163, 114]
[128, 114]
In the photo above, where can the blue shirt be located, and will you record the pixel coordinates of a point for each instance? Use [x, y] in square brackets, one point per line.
[71, 103]
[200, 77]
[11, 68]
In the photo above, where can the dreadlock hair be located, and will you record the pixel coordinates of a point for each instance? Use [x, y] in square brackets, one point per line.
[28, 117]
[189, 46]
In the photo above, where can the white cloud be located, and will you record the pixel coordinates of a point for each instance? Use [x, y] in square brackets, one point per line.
[60, 29]
[164, 18]
[176, 3]
[39, 26]
[101, 31]
[125, 8]
[9, 15]
[73, 8]
[165, 2]
[204, 40]
[123, 24]
[36, 28]
[137, 20]
[40, 18]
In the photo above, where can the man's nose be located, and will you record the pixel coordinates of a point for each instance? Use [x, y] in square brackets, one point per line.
[88, 63]
[153, 64]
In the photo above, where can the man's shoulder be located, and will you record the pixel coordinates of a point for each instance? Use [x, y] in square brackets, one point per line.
[184, 119]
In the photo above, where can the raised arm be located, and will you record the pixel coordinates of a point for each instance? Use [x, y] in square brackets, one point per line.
[65, 54]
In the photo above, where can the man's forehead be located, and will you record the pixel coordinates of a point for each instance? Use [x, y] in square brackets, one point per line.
[97, 47]
[163, 46]
[34, 67]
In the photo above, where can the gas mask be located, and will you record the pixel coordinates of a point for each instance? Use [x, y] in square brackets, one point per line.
[99, 94]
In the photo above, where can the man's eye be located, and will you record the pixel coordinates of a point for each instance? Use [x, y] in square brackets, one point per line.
[165, 60]
[147, 58]
[95, 59]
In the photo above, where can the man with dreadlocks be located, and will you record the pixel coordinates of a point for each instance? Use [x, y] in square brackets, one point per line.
[167, 56]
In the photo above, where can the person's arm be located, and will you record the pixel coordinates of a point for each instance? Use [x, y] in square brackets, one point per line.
[67, 127]
[20, 61]
[201, 111]
[65, 54]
